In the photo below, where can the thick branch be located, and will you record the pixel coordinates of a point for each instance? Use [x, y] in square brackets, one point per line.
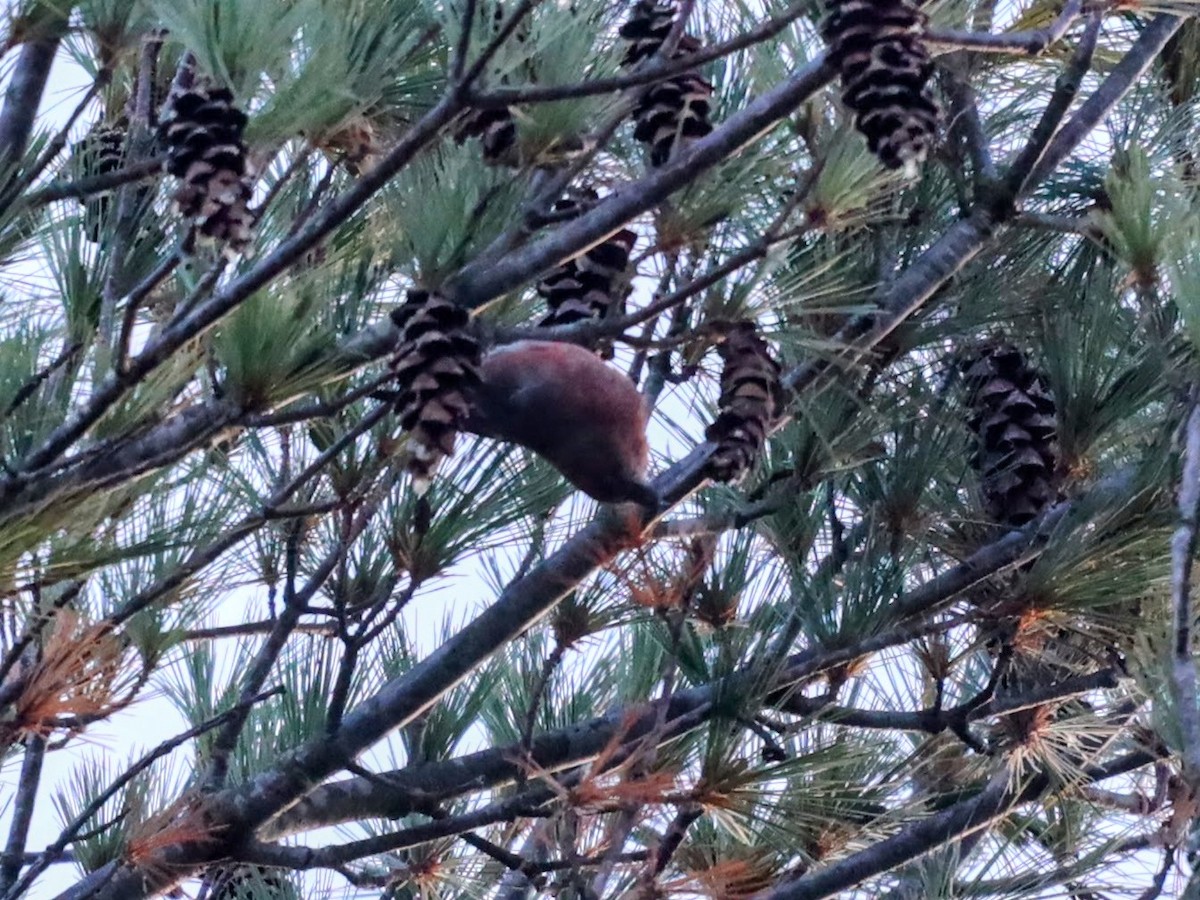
[925, 836]
[1183, 552]
[26, 86]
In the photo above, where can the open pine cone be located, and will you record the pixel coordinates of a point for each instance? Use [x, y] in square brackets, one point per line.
[593, 283]
[495, 128]
[99, 152]
[497, 133]
[202, 130]
[877, 47]
[672, 113]
[436, 364]
[1014, 419]
[752, 398]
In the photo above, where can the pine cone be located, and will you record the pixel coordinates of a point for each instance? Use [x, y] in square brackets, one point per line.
[497, 133]
[1015, 422]
[877, 48]
[495, 128]
[590, 285]
[672, 115]
[354, 143]
[752, 398]
[436, 364]
[100, 152]
[674, 112]
[202, 130]
[646, 29]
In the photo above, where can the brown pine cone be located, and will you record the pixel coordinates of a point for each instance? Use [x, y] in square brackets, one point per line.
[1014, 420]
[752, 398]
[202, 130]
[877, 46]
[436, 364]
[592, 284]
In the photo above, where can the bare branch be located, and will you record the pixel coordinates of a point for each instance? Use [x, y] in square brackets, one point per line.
[1183, 553]
[1030, 43]
[27, 83]
[18, 832]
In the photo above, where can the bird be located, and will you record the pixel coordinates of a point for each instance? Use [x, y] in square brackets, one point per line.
[577, 412]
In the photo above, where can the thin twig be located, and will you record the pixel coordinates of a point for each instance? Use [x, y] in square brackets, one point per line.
[133, 302]
[536, 695]
[80, 188]
[250, 629]
[1030, 43]
[649, 72]
[1065, 89]
[27, 389]
[464, 41]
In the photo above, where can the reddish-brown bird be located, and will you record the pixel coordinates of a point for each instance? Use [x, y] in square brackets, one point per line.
[564, 403]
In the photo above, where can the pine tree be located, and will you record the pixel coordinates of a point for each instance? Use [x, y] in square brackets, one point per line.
[912, 292]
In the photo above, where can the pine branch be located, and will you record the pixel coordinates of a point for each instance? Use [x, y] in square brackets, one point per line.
[1183, 552]
[13, 191]
[966, 238]
[28, 388]
[27, 83]
[522, 805]
[466, 25]
[477, 284]
[80, 188]
[295, 604]
[133, 302]
[251, 629]
[111, 335]
[1119, 81]
[1037, 880]
[953, 823]
[935, 720]
[1065, 89]
[1029, 43]
[53, 852]
[18, 833]
[197, 319]
[528, 598]
[18, 494]
[651, 71]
